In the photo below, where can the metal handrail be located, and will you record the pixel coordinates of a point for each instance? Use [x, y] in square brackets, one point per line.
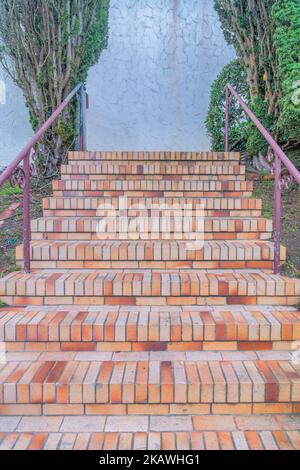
[280, 157]
[24, 156]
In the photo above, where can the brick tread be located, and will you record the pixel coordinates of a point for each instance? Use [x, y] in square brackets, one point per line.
[148, 203]
[154, 156]
[150, 206]
[156, 251]
[149, 382]
[196, 187]
[140, 283]
[231, 227]
[161, 169]
[146, 326]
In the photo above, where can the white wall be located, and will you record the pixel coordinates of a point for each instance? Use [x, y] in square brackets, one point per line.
[15, 130]
[150, 89]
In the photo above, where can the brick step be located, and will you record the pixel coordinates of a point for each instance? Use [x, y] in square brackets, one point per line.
[181, 166]
[148, 287]
[213, 440]
[91, 169]
[152, 208]
[152, 382]
[148, 202]
[155, 156]
[147, 212]
[153, 188]
[168, 177]
[152, 254]
[150, 228]
[149, 329]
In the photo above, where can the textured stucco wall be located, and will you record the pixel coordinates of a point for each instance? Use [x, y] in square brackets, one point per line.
[15, 129]
[150, 89]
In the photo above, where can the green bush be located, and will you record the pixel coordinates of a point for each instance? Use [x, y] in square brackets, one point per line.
[48, 47]
[286, 17]
[255, 141]
[266, 37]
[234, 74]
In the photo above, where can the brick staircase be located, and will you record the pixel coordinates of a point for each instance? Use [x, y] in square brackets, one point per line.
[171, 336]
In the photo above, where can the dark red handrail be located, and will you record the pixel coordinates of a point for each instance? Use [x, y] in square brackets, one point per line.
[24, 156]
[280, 157]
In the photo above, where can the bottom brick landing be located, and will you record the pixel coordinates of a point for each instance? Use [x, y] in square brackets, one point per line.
[262, 432]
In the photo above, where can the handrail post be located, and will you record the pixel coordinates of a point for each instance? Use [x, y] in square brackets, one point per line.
[26, 213]
[82, 113]
[277, 228]
[227, 120]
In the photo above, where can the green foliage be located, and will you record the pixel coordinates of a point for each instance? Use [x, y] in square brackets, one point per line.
[7, 190]
[255, 141]
[265, 34]
[234, 74]
[48, 47]
[243, 133]
[286, 17]
[247, 25]
[95, 40]
[294, 156]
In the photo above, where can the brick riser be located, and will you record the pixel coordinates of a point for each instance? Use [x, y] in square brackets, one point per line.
[215, 228]
[150, 255]
[217, 410]
[87, 265]
[150, 382]
[151, 300]
[191, 178]
[142, 212]
[125, 329]
[162, 170]
[197, 287]
[153, 188]
[149, 194]
[157, 186]
[150, 166]
[146, 346]
[156, 202]
[77, 236]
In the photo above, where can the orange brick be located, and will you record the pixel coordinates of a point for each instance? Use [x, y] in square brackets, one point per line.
[148, 409]
[61, 410]
[225, 409]
[106, 409]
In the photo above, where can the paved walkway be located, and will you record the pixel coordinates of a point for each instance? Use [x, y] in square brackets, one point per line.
[183, 432]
